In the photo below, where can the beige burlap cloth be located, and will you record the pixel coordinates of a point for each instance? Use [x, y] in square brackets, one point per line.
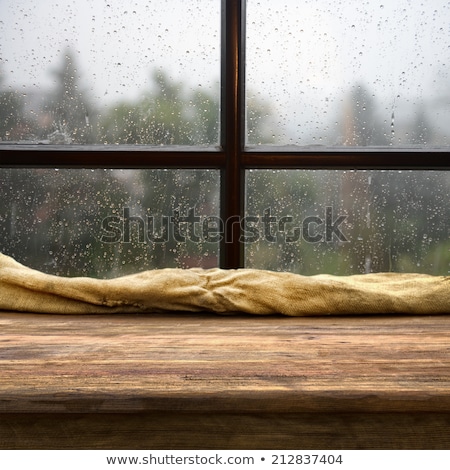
[222, 291]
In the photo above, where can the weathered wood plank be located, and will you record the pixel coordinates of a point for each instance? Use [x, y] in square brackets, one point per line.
[205, 363]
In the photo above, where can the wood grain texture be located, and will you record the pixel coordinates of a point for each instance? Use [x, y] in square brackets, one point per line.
[202, 372]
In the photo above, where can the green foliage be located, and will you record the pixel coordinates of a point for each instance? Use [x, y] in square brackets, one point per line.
[167, 116]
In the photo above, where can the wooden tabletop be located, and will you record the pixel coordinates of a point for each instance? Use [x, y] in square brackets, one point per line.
[205, 362]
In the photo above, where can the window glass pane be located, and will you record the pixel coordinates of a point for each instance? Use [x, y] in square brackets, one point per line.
[105, 72]
[106, 223]
[349, 73]
[348, 222]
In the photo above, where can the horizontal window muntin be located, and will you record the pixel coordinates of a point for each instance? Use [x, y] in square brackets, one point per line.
[250, 157]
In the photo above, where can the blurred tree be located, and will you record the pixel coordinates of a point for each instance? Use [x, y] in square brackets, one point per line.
[259, 122]
[203, 112]
[68, 105]
[360, 124]
[12, 123]
[166, 116]
[422, 129]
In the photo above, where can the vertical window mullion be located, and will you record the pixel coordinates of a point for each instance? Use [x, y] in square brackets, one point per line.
[232, 131]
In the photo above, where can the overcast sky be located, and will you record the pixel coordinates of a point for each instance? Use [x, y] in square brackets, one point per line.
[117, 44]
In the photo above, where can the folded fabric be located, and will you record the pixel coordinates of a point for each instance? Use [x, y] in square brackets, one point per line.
[222, 291]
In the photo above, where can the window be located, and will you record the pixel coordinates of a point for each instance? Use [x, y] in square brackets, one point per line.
[302, 136]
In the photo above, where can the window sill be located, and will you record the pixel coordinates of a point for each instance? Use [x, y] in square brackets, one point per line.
[207, 381]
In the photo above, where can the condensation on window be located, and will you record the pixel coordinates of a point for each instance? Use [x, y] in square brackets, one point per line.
[349, 73]
[106, 223]
[348, 222]
[105, 72]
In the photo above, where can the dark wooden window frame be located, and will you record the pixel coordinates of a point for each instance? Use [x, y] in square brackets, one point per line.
[232, 157]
